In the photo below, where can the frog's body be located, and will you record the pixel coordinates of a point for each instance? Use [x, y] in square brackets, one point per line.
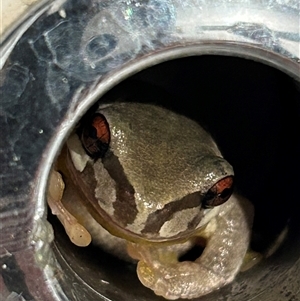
[157, 181]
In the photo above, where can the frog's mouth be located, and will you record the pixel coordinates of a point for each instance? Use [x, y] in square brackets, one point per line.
[115, 227]
[103, 218]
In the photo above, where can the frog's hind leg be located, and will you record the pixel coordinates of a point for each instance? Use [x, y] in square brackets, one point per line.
[217, 266]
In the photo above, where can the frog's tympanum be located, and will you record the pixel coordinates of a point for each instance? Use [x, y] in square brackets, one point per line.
[149, 185]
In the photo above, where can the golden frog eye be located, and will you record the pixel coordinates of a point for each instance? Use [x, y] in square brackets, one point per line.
[95, 136]
[219, 193]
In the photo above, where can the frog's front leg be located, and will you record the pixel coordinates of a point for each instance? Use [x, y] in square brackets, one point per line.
[76, 232]
[216, 267]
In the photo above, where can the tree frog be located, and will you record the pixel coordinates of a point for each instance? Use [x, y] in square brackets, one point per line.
[148, 184]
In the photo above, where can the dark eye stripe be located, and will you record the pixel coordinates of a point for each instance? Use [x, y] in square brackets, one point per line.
[125, 210]
[157, 219]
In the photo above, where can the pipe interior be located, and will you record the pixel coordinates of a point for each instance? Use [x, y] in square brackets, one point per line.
[252, 111]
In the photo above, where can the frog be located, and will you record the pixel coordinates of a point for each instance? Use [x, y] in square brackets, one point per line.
[148, 185]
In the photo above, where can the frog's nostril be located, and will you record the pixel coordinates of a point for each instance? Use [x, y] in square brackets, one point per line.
[219, 193]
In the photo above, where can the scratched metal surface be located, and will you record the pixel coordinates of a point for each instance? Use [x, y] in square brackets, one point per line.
[58, 62]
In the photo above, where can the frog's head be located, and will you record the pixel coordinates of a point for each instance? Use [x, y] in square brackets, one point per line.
[148, 173]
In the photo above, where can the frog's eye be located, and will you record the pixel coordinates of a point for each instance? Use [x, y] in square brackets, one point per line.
[95, 136]
[219, 193]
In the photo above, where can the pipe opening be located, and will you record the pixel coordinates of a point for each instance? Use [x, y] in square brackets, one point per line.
[252, 111]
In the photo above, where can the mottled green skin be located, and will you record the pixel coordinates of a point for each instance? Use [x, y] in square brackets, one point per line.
[150, 186]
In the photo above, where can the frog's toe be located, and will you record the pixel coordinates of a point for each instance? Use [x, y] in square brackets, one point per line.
[155, 280]
[146, 274]
[79, 235]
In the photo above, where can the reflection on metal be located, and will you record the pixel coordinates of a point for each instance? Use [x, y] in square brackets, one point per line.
[68, 54]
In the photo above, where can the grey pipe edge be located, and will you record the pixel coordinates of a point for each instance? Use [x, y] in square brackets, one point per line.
[46, 89]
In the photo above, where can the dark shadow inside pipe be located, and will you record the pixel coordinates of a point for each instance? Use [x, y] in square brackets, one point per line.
[252, 110]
